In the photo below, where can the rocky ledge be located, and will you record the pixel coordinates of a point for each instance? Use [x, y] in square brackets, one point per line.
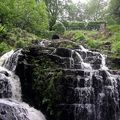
[69, 83]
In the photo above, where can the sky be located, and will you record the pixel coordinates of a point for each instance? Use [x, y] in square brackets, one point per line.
[83, 1]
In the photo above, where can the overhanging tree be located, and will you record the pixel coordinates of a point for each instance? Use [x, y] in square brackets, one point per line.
[114, 9]
[53, 8]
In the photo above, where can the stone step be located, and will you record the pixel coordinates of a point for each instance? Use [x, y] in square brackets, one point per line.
[75, 81]
[70, 95]
[77, 112]
[82, 73]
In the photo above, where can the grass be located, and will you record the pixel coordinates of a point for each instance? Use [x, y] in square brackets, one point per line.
[108, 43]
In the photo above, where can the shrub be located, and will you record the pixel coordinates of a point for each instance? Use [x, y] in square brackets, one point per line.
[78, 36]
[20, 44]
[94, 25]
[3, 30]
[93, 43]
[83, 25]
[116, 37]
[47, 34]
[66, 24]
[76, 25]
[114, 28]
[59, 28]
[116, 47]
[4, 47]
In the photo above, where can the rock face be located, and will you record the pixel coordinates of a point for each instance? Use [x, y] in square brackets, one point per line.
[70, 84]
[11, 105]
[13, 110]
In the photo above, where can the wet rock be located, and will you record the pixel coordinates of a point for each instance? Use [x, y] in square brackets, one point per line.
[5, 87]
[85, 89]
[54, 37]
[12, 110]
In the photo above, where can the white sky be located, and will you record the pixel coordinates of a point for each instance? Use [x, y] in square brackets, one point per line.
[83, 1]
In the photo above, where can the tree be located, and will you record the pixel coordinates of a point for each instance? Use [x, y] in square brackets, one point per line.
[53, 8]
[96, 10]
[26, 14]
[114, 9]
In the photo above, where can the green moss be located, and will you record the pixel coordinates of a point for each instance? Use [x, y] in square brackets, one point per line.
[93, 43]
[46, 75]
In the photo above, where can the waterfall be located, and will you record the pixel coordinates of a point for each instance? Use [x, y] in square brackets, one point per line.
[91, 91]
[11, 62]
[5, 57]
[11, 105]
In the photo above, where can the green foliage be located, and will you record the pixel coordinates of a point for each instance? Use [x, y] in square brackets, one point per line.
[93, 43]
[3, 31]
[96, 10]
[116, 37]
[53, 8]
[78, 36]
[83, 25]
[20, 44]
[114, 28]
[76, 25]
[45, 77]
[26, 14]
[47, 34]
[75, 36]
[59, 28]
[17, 37]
[114, 9]
[4, 47]
[94, 25]
[116, 47]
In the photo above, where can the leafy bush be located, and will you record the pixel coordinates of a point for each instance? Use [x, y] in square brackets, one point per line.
[26, 14]
[59, 28]
[76, 25]
[78, 36]
[94, 25]
[47, 34]
[75, 36]
[20, 44]
[93, 43]
[114, 28]
[4, 47]
[3, 31]
[116, 47]
[116, 37]
[82, 25]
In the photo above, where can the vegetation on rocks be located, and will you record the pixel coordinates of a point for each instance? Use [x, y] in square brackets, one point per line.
[25, 22]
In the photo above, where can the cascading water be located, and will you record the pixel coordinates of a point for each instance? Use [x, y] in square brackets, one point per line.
[11, 107]
[91, 92]
[11, 62]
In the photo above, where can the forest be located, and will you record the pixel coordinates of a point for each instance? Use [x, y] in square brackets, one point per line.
[59, 59]
[21, 22]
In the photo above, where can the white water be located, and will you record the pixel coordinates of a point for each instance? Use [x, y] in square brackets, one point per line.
[103, 65]
[87, 65]
[8, 62]
[11, 62]
[29, 112]
[15, 84]
[5, 57]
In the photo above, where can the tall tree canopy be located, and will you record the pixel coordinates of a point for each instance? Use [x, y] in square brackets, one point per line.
[26, 14]
[96, 10]
[53, 8]
[114, 10]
